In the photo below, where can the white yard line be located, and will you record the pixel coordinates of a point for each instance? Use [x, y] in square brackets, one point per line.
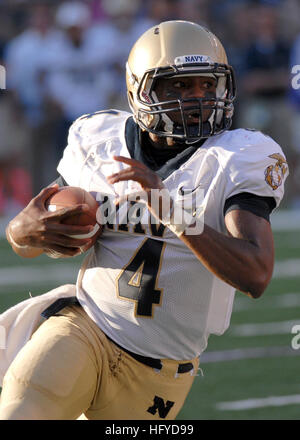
[286, 220]
[20, 275]
[246, 353]
[284, 300]
[287, 268]
[240, 405]
[263, 329]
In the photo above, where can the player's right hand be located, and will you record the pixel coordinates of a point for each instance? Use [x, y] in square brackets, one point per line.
[36, 227]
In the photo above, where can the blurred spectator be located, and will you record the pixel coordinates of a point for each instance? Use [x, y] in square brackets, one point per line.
[120, 30]
[295, 119]
[5, 31]
[295, 89]
[237, 35]
[96, 9]
[75, 79]
[267, 56]
[23, 61]
[15, 181]
[76, 64]
[162, 10]
[195, 10]
[289, 14]
[263, 103]
[266, 78]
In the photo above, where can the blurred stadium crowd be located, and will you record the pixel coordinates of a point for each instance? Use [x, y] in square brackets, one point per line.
[67, 58]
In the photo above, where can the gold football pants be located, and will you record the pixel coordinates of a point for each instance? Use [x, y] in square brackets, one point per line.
[69, 367]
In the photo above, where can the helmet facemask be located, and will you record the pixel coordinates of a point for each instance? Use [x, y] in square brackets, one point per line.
[156, 116]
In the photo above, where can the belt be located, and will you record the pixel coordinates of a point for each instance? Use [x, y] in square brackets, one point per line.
[154, 363]
[60, 303]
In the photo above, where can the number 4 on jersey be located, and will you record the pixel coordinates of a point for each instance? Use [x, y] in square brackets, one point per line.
[138, 280]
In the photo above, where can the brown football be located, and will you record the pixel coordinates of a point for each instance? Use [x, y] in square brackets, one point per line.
[68, 196]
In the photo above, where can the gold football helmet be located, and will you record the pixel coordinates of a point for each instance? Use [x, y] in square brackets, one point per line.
[168, 50]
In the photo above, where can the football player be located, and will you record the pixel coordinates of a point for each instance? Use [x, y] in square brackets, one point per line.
[125, 342]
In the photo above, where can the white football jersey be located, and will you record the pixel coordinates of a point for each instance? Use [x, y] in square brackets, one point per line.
[141, 284]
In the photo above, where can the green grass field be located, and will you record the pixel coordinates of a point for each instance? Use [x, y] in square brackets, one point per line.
[250, 373]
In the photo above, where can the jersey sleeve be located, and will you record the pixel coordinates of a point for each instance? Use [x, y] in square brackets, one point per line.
[258, 167]
[75, 154]
[258, 205]
[90, 137]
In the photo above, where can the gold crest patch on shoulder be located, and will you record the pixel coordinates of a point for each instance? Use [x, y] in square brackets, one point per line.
[274, 173]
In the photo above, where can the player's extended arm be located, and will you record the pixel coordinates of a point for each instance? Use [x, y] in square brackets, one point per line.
[35, 230]
[244, 258]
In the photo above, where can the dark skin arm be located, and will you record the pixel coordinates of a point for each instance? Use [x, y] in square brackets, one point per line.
[42, 231]
[244, 258]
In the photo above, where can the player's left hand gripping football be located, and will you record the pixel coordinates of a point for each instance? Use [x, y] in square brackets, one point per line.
[38, 228]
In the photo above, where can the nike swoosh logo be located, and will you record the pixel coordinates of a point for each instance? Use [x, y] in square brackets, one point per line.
[184, 192]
